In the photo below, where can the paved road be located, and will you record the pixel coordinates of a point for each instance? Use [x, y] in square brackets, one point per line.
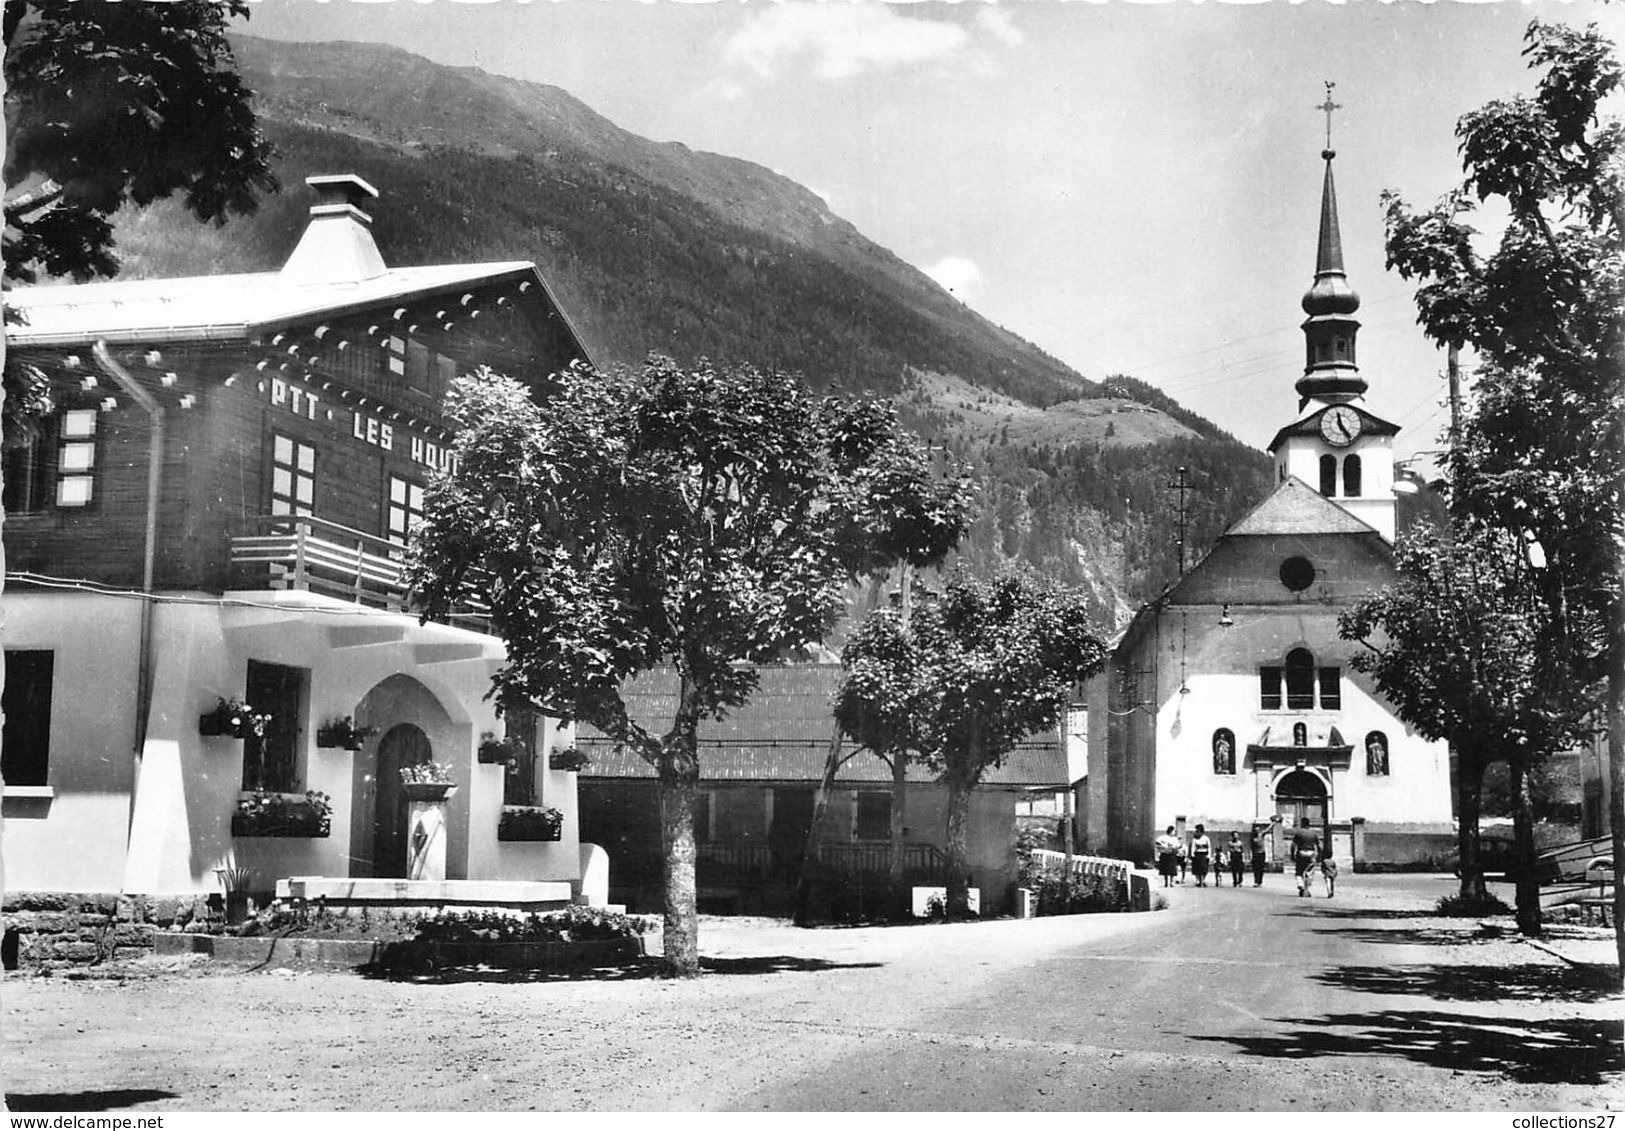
[1228, 1000]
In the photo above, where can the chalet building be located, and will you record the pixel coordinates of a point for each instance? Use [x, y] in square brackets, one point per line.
[760, 769]
[217, 510]
[1229, 700]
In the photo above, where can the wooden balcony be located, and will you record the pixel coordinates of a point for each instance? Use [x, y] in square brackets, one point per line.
[317, 556]
[288, 552]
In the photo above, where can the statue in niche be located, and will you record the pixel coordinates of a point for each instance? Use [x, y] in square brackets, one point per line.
[1224, 751]
[1300, 734]
[1376, 754]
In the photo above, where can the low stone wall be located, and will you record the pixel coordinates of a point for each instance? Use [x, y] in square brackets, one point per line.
[44, 928]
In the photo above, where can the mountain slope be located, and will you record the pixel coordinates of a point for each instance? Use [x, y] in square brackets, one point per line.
[656, 247]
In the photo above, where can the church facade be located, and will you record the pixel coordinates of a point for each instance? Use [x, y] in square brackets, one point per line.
[1229, 701]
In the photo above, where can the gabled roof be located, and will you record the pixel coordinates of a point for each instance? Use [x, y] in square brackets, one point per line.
[1297, 508]
[783, 735]
[226, 307]
[1308, 424]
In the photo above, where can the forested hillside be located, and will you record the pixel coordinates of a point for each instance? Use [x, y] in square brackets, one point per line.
[654, 247]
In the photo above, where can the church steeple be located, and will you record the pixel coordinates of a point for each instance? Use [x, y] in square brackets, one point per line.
[1330, 374]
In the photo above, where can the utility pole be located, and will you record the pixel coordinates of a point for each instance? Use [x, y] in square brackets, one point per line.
[1181, 485]
[1453, 372]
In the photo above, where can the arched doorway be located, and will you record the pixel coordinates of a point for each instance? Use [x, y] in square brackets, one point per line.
[402, 745]
[1300, 797]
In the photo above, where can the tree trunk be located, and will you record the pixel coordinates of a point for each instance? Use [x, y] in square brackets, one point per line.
[1616, 773]
[1469, 807]
[959, 792]
[896, 858]
[1523, 851]
[811, 863]
[681, 936]
[900, 902]
[679, 773]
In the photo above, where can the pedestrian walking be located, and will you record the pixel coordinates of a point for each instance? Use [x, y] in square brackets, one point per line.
[1305, 854]
[1238, 859]
[1168, 856]
[1258, 858]
[1201, 857]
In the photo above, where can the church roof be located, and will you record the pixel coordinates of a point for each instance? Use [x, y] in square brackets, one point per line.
[1297, 508]
[1308, 424]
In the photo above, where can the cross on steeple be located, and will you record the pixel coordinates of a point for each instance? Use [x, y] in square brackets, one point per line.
[1328, 106]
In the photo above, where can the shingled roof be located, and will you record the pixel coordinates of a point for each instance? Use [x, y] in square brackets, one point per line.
[782, 735]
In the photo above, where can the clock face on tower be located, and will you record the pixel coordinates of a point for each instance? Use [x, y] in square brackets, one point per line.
[1340, 425]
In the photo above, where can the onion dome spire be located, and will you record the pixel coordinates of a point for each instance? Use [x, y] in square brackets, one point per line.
[1330, 373]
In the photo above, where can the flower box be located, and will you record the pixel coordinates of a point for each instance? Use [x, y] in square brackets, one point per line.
[566, 758]
[278, 814]
[343, 734]
[496, 751]
[529, 822]
[234, 719]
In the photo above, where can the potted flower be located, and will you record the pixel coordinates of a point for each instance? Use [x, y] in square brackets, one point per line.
[566, 758]
[529, 822]
[277, 814]
[427, 781]
[496, 751]
[236, 882]
[343, 733]
[233, 718]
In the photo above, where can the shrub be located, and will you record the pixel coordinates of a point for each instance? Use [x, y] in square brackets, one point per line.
[1456, 907]
[1075, 895]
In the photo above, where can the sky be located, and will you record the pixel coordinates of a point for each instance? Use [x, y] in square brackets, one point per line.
[1134, 188]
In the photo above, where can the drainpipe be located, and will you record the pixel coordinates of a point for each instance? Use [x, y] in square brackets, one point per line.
[155, 467]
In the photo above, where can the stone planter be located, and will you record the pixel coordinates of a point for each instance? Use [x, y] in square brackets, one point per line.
[427, 790]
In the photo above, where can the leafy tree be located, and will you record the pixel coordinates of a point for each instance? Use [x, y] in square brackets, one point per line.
[977, 668]
[1458, 646]
[1542, 454]
[108, 104]
[702, 516]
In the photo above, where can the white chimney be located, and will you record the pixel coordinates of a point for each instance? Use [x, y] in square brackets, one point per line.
[337, 245]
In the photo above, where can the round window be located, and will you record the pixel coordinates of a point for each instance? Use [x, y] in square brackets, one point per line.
[1297, 574]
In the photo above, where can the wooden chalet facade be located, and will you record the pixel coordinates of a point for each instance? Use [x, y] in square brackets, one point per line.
[218, 509]
[759, 771]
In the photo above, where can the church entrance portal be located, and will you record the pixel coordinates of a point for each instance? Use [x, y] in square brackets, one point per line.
[403, 745]
[1301, 797]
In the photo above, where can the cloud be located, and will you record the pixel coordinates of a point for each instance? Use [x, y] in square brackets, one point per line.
[844, 39]
[957, 275]
[998, 23]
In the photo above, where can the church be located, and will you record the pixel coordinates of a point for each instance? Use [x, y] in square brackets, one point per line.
[1229, 700]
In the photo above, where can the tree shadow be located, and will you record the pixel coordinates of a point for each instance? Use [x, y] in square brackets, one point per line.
[639, 970]
[1528, 982]
[1408, 936]
[1544, 1051]
[1322, 911]
[104, 1100]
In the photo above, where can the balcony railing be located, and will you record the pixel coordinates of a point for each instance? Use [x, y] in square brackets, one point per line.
[303, 552]
[317, 556]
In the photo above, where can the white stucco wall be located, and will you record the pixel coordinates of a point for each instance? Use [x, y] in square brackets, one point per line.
[74, 839]
[1221, 671]
[161, 824]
